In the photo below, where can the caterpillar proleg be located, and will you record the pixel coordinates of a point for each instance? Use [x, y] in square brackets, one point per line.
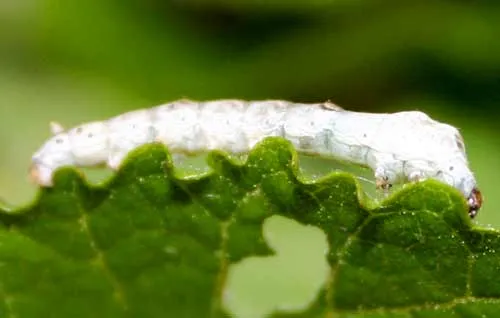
[400, 147]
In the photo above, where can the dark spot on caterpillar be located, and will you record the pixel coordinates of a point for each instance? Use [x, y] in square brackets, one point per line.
[59, 141]
[451, 168]
[90, 135]
[79, 130]
[364, 135]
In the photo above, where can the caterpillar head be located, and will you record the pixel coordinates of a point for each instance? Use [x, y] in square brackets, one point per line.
[456, 172]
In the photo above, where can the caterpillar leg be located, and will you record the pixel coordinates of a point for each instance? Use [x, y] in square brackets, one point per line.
[115, 160]
[416, 176]
[384, 179]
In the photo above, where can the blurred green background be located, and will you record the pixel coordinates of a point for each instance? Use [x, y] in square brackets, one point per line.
[76, 61]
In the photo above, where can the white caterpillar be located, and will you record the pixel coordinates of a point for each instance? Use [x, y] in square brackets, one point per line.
[399, 147]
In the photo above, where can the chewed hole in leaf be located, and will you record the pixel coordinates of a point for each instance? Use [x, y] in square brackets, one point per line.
[291, 278]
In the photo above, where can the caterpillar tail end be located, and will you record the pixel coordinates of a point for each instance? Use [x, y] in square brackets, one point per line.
[40, 176]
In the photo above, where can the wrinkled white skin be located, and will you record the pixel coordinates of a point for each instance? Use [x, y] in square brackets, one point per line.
[399, 147]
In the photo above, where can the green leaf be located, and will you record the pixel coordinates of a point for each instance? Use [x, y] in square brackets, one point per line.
[151, 244]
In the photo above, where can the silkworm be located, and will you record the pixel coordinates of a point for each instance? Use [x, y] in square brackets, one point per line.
[399, 147]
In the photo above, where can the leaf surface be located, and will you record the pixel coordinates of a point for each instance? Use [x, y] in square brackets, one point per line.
[149, 243]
